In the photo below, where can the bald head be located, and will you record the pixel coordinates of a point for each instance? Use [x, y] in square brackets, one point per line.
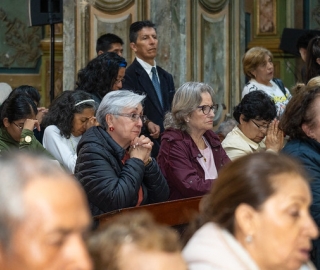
[44, 214]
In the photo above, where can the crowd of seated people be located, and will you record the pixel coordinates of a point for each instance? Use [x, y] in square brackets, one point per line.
[256, 216]
[119, 158]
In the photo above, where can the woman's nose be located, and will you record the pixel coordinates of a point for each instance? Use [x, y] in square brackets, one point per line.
[139, 123]
[312, 228]
[211, 113]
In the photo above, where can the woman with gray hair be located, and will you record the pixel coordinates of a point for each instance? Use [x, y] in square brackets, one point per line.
[114, 164]
[191, 153]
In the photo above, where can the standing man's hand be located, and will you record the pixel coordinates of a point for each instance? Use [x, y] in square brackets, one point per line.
[154, 130]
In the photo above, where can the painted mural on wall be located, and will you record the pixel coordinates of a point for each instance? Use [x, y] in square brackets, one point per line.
[267, 17]
[19, 43]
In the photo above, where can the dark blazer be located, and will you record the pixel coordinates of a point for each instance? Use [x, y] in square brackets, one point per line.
[137, 80]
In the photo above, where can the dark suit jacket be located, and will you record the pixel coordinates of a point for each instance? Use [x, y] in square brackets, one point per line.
[137, 80]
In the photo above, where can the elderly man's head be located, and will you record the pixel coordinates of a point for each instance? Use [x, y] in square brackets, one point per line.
[43, 216]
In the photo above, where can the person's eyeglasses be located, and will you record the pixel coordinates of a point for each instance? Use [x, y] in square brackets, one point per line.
[119, 81]
[262, 128]
[206, 108]
[20, 127]
[134, 117]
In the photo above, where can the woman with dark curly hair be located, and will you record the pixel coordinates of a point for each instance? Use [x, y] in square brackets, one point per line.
[69, 116]
[102, 75]
[256, 117]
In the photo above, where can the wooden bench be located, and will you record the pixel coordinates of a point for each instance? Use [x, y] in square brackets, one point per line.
[173, 213]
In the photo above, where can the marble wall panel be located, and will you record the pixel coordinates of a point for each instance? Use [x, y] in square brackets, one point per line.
[161, 16]
[102, 23]
[69, 45]
[170, 19]
[210, 52]
[214, 53]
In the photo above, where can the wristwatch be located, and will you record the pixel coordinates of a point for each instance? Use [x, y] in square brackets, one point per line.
[26, 139]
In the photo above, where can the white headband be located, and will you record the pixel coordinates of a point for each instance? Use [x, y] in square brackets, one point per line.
[83, 101]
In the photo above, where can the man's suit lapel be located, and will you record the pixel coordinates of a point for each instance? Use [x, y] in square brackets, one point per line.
[148, 88]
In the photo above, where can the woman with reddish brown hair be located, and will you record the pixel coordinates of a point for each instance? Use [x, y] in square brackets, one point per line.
[255, 217]
[258, 67]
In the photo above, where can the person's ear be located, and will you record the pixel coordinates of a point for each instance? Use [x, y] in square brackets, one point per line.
[6, 122]
[308, 131]
[100, 52]
[253, 73]
[133, 46]
[245, 220]
[241, 121]
[110, 120]
[318, 61]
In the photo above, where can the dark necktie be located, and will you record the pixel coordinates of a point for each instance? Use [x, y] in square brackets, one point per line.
[156, 84]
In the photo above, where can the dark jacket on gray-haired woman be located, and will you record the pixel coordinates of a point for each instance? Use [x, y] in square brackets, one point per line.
[111, 184]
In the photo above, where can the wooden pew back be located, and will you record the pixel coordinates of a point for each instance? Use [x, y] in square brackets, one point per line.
[171, 213]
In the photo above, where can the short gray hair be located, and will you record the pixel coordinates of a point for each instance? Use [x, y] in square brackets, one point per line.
[17, 170]
[186, 99]
[114, 102]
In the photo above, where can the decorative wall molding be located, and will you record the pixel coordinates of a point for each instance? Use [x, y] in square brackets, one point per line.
[214, 6]
[101, 23]
[113, 5]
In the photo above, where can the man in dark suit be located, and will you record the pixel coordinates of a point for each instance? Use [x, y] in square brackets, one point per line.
[144, 76]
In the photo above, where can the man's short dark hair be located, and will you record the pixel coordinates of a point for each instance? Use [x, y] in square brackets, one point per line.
[136, 27]
[105, 41]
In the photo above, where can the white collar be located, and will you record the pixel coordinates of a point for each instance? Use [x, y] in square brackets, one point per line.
[146, 66]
